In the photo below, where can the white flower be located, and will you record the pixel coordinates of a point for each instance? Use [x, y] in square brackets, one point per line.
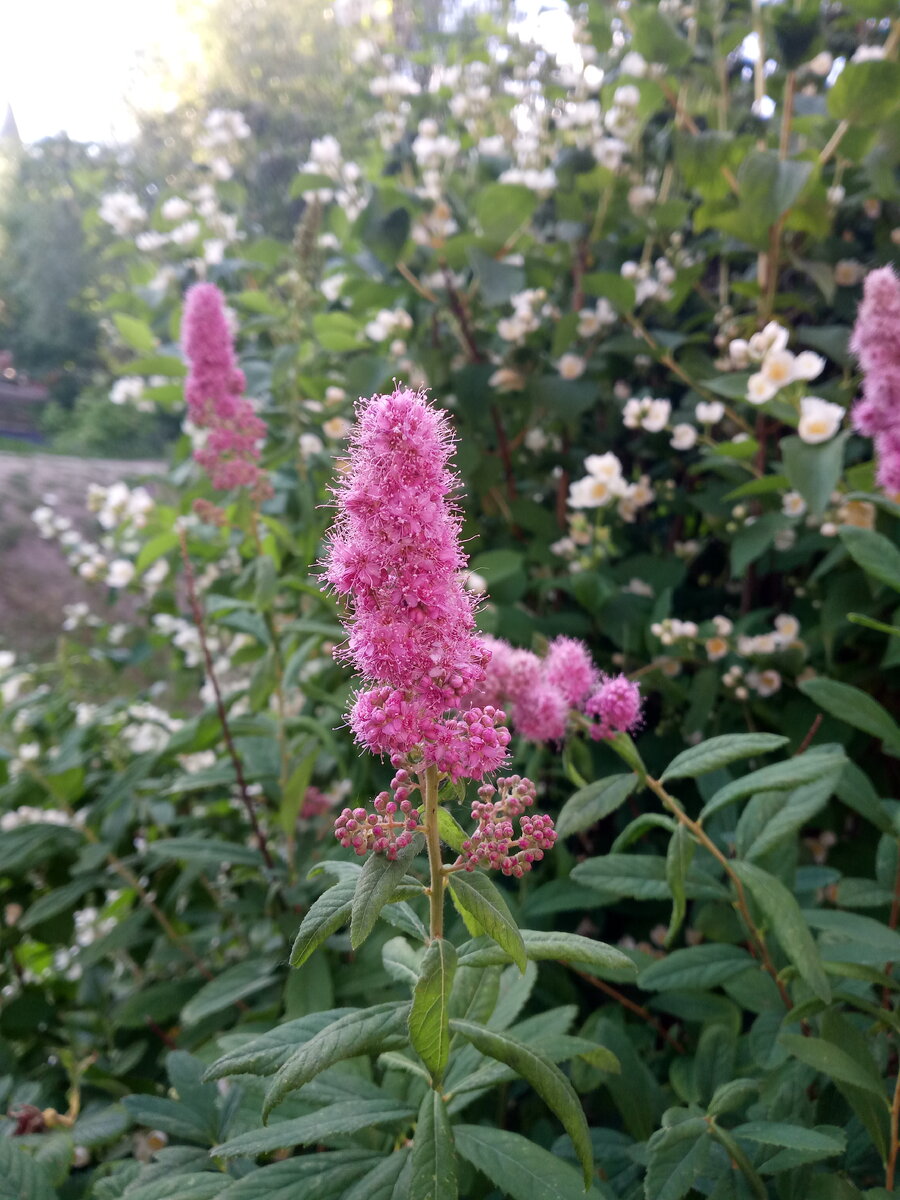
[766, 683]
[309, 444]
[337, 427]
[604, 466]
[335, 395]
[507, 379]
[793, 504]
[536, 440]
[868, 54]
[590, 492]
[122, 211]
[128, 389]
[787, 629]
[778, 368]
[836, 194]
[175, 209]
[476, 583]
[7, 659]
[657, 415]
[628, 96]
[723, 626]
[819, 420]
[772, 337]
[808, 365]
[684, 437]
[709, 413]
[739, 352]
[760, 389]
[571, 366]
[716, 648]
[120, 573]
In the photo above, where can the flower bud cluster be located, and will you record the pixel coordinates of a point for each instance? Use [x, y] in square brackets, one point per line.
[387, 830]
[494, 845]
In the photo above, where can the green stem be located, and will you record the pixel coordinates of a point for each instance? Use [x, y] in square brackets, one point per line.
[433, 841]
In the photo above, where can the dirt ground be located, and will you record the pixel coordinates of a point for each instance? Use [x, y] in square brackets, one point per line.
[35, 579]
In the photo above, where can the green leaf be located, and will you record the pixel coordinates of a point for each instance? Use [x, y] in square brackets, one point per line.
[135, 333]
[834, 1062]
[814, 764]
[429, 1029]
[657, 39]
[382, 1181]
[865, 93]
[265, 1054]
[162, 544]
[783, 915]
[695, 968]
[769, 186]
[814, 470]
[336, 332]
[679, 856]
[856, 708]
[594, 802]
[193, 1185]
[796, 810]
[61, 899]
[642, 877]
[204, 851]
[474, 893]
[752, 541]
[450, 829]
[791, 1137]
[546, 1079]
[541, 946]
[718, 752]
[323, 1176]
[325, 915]
[520, 1168]
[872, 551]
[235, 983]
[347, 1116]
[675, 1157]
[433, 1174]
[376, 884]
[21, 1178]
[502, 208]
[381, 1027]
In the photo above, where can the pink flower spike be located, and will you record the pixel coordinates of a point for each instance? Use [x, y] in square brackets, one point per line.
[616, 704]
[214, 393]
[876, 343]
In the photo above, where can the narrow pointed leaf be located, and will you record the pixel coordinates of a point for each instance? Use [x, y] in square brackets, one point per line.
[474, 893]
[717, 752]
[543, 946]
[429, 1029]
[347, 1116]
[520, 1168]
[594, 802]
[325, 916]
[377, 883]
[802, 769]
[835, 1062]
[546, 1079]
[382, 1027]
[433, 1152]
[782, 912]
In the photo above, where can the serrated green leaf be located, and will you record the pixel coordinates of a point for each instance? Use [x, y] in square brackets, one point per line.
[675, 1157]
[643, 877]
[429, 1029]
[834, 1062]
[783, 915]
[381, 1027]
[520, 1168]
[376, 884]
[717, 752]
[797, 808]
[265, 1054]
[325, 1176]
[546, 1079]
[695, 968]
[856, 708]
[791, 1137]
[347, 1116]
[433, 1159]
[21, 1178]
[549, 946]
[814, 764]
[679, 855]
[325, 915]
[594, 802]
[474, 893]
[381, 1181]
[195, 1185]
[235, 983]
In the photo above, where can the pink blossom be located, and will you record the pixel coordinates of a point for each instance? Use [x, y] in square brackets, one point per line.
[569, 667]
[214, 392]
[616, 704]
[876, 343]
[493, 844]
[540, 713]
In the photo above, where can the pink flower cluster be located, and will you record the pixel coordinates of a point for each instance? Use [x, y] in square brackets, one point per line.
[389, 828]
[543, 693]
[493, 844]
[214, 391]
[876, 343]
[395, 553]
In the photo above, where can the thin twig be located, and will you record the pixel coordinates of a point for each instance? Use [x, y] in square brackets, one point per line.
[261, 841]
[807, 741]
[632, 1006]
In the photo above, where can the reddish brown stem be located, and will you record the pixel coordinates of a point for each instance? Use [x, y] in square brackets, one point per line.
[258, 833]
[633, 1006]
[807, 741]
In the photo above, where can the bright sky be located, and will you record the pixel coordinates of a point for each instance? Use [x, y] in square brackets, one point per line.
[68, 65]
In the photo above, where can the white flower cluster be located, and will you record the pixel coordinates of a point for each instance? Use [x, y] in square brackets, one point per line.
[326, 158]
[592, 321]
[528, 307]
[388, 323]
[222, 127]
[122, 211]
[652, 281]
[646, 413]
[197, 219]
[130, 390]
[26, 815]
[604, 483]
[119, 505]
[148, 728]
[777, 365]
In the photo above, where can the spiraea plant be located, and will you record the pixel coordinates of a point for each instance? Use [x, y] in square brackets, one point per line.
[395, 553]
